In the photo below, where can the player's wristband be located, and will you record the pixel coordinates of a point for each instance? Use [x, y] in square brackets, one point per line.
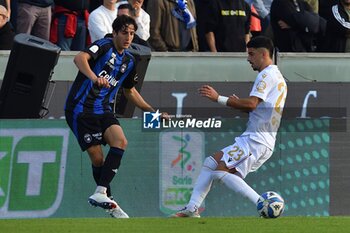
[222, 100]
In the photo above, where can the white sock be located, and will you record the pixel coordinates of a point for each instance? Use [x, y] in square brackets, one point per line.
[237, 184]
[203, 184]
[101, 189]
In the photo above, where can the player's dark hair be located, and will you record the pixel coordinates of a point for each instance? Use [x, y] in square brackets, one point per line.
[261, 42]
[122, 22]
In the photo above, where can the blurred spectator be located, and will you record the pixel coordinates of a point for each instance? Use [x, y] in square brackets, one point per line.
[337, 38]
[172, 25]
[228, 23]
[313, 4]
[324, 6]
[69, 24]
[125, 8]
[295, 26]
[142, 19]
[94, 4]
[101, 19]
[202, 12]
[34, 17]
[7, 5]
[13, 17]
[6, 32]
[262, 8]
[145, 4]
[255, 22]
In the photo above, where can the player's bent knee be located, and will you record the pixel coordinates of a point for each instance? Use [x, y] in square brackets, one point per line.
[123, 143]
[120, 143]
[210, 163]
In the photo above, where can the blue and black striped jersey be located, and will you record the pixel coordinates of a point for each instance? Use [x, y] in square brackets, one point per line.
[118, 69]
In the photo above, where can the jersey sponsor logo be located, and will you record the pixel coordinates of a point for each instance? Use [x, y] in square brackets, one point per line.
[94, 48]
[108, 69]
[98, 136]
[88, 137]
[111, 80]
[111, 60]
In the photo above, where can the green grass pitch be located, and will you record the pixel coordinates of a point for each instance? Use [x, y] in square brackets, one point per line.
[169, 225]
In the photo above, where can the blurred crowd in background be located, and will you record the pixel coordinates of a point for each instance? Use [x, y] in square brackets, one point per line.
[183, 25]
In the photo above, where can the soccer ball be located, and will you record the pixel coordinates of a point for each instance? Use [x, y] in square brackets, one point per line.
[270, 205]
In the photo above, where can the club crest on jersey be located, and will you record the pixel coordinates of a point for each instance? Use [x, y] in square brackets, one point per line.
[123, 68]
[87, 138]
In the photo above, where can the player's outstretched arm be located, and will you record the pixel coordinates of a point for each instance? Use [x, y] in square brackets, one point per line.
[134, 96]
[208, 92]
[244, 104]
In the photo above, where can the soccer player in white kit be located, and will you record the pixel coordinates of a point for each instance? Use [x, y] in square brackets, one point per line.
[250, 150]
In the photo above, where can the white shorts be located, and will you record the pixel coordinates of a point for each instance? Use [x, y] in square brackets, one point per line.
[245, 155]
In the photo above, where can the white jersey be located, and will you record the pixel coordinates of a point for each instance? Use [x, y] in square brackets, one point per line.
[264, 121]
[143, 24]
[100, 22]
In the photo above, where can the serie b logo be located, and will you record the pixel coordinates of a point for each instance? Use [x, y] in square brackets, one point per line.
[151, 120]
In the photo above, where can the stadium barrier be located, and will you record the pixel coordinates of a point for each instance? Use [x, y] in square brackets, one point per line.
[177, 66]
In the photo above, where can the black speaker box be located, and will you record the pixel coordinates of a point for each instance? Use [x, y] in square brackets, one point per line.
[28, 72]
[123, 107]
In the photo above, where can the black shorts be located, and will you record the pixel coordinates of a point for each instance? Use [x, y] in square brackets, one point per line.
[89, 128]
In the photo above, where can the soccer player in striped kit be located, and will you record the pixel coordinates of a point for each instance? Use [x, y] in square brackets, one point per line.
[104, 67]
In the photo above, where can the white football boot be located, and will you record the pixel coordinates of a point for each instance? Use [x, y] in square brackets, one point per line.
[117, 212]
[100, 199]
[186, 213]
